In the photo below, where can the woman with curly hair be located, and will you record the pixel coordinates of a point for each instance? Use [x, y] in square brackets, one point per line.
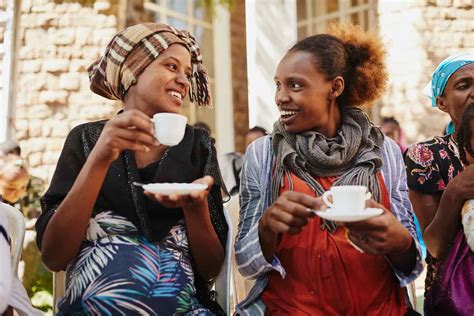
[438, 188]
[305, 265]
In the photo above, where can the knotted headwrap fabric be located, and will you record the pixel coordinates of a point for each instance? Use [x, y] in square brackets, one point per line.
[354, 155]
[133, 49]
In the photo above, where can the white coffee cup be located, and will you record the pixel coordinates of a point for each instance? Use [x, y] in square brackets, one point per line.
[169, 128]
[347, 198]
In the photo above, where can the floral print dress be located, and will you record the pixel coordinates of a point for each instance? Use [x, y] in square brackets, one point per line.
[120, 272]
[430, 167]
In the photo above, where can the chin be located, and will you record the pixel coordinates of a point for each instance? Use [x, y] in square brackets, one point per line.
[292, 129]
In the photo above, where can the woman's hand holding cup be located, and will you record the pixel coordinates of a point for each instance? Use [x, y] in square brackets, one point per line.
[130, 130]
[290, 213]
[380, 235]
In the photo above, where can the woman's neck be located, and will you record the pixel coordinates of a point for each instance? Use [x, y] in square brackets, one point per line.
[143, 159]
[334, 122]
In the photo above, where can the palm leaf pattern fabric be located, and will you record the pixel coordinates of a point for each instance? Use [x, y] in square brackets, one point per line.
[119, 272]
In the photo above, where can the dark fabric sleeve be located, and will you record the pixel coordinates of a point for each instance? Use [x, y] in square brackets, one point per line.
[69, 165]
[215, 196]
[423, 169]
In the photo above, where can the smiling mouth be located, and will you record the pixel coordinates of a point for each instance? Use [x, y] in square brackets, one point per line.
[286, 114]
[176, 95]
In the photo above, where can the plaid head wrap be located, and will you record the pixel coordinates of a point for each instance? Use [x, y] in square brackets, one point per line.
[133, 49]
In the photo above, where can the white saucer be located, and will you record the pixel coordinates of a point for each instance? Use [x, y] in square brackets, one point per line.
[174, 188]
[348, 216]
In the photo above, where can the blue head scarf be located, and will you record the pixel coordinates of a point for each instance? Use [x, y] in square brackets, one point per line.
[441, 75]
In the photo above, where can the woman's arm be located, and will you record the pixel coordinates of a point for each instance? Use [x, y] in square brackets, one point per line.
[440, 214]
[254, 177]
[259, 226]
[206, 249]
[66, 229]
[392, 234]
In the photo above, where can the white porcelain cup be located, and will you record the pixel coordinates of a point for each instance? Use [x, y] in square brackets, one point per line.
[169, 128]
[347, 198]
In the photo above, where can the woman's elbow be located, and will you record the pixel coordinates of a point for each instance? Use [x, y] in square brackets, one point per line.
[51, 260]
[212, 271]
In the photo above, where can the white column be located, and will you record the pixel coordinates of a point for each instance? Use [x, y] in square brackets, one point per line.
[271, 31]
[223, 106]
[11, 18]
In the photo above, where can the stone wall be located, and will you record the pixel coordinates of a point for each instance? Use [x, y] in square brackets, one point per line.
[58, 42]
[419, 34]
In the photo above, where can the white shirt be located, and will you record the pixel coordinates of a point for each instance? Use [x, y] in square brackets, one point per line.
[12, 292]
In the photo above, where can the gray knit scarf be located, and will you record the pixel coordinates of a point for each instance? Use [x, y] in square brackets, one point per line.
[354, 155]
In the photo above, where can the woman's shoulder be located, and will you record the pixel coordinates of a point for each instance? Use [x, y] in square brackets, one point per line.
[262, 145]
[84, 136]
[432, 164]
[89, 127]
[432, 151]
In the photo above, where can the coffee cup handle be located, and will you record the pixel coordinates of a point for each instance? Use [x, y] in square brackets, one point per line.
[326, 199]
[368, 196]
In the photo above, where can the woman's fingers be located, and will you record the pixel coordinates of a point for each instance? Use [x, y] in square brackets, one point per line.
[136, 136]
[297, 216]
[305, 200]
[364, 242]
[134, 119]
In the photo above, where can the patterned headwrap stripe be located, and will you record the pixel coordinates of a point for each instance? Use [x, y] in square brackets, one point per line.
[122, 42]
[136, 47]
[161, 40]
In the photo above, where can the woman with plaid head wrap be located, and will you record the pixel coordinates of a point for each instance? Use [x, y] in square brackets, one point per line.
[125, 252]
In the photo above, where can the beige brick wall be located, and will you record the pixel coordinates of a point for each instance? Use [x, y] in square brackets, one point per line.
[57, 43]
[419, 34]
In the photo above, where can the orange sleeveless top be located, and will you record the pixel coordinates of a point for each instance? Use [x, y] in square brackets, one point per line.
[325, 275]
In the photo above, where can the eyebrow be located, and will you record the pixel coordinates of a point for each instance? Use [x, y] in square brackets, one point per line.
[290, 78]
[463, 78]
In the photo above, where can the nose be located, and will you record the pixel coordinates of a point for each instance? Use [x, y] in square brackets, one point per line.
[281, 96]
[183, 80]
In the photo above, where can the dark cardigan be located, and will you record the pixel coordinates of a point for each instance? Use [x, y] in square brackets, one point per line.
[193, 158]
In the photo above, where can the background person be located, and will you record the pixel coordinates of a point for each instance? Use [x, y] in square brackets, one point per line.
[391, 128]
[13, 296]
[438, 188]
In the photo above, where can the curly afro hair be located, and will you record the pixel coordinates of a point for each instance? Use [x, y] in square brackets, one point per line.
[355, 55]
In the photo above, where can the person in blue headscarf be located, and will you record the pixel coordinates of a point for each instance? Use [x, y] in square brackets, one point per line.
[439, 184]
[440, 77]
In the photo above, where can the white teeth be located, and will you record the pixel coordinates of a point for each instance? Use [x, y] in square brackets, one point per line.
[286, 113]
[176, 94]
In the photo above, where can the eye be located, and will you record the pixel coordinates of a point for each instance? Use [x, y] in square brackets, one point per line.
[278, 85]
[172, 66]
[463, 86]
[295, 85]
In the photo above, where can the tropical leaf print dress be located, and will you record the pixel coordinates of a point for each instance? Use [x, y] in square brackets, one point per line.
[119, 272]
